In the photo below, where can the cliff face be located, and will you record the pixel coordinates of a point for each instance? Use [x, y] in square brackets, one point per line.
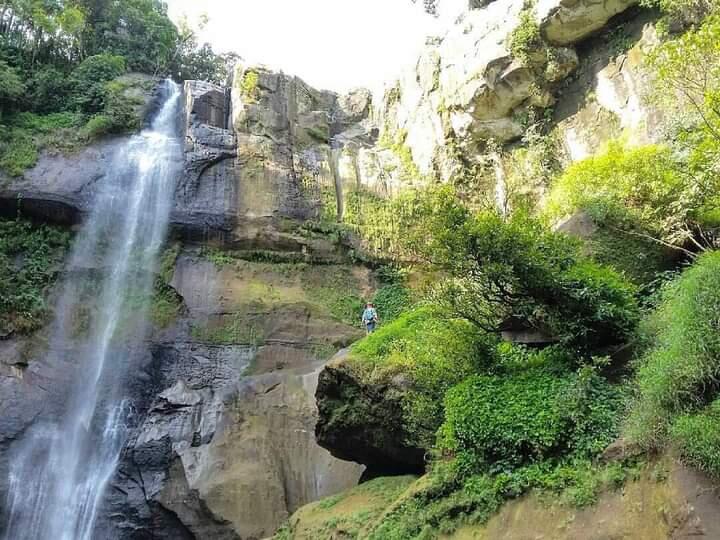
[223, 443]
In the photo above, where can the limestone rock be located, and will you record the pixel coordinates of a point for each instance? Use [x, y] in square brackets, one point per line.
[466, 88]
[609, 97]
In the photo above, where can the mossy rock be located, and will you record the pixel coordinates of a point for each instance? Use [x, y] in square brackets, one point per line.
[361, 418]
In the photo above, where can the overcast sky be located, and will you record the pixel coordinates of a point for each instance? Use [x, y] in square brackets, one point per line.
[331, 44]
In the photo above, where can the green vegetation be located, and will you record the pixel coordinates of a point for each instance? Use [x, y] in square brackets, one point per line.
[249, 86]
[678, 374]
[637, 191]
[697, 436]
[68, 59]
[395, 142]
[433, 352]
[347, 514]
[547, 411]
[30, 256]
[230, 330]
[166, 303]
[516, 269]
[526, 38]
[449, 497]
[683, 13]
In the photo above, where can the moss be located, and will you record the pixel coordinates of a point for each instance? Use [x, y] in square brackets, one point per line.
[639, 259]
[332, 290]
[235, 329]
[395, 142]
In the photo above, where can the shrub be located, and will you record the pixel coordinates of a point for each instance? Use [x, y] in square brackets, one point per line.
[98, 125]
[531, 423]
[28, 133]
[515, 268]
[89, 78]
[391, 300]
[526, 37]
[11, 85]
[50, 90]
[249, 86]
[682, 367]
[623, 187]
[18, 151]
[121, 107]
[547, 412]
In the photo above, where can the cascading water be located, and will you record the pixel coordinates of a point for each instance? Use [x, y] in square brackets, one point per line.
[58, 476]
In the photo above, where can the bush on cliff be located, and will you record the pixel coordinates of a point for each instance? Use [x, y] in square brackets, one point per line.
[514, 268]
[697, 437]
[679, 374]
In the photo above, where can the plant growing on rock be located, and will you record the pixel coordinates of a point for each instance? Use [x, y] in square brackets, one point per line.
[641, 192]
[501, 269]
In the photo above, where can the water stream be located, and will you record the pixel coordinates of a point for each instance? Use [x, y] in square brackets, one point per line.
[59, 475]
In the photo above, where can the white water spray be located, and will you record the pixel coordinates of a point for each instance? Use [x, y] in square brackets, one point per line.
[59, 474]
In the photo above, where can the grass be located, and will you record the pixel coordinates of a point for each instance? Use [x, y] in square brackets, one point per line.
[447, 498]
[347, 514]
[678, 375]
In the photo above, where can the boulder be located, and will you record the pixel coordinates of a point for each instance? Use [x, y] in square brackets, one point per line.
[564, 22]
[362, 420]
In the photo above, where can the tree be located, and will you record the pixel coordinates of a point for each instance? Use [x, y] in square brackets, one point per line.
[515, 269]
[11, 86]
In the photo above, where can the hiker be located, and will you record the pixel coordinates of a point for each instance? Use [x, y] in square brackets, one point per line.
[370, 318]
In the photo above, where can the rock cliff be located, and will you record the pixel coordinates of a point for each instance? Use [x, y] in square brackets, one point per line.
[224, 431]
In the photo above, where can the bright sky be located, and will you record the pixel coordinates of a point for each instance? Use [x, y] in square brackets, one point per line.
[331, 44]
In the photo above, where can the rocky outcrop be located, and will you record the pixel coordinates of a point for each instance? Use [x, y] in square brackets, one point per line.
[229, 456]
[467, 88]
[222, 439]
[565, 22]
[60, 186]
[362, 420]
[609, 98]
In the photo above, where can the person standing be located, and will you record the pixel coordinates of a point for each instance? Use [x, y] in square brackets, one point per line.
[370, 318]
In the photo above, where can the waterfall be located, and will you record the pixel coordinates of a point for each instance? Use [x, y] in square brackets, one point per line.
[59, 473]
